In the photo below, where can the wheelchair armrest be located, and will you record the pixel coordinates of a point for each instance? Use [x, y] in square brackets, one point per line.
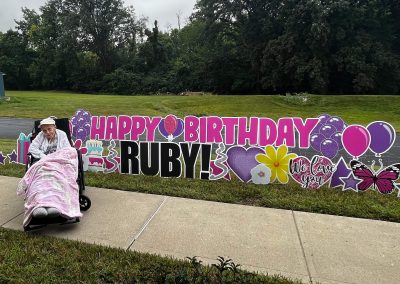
[30, 161]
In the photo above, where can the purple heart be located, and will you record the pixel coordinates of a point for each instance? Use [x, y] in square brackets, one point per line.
[242, 160]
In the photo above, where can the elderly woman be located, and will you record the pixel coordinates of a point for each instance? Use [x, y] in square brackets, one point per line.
[48, 141]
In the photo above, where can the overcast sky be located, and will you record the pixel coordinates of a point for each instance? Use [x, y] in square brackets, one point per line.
[162, 10]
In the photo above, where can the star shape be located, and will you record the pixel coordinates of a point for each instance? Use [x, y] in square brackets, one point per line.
[350, 182]
[341, 171]
[2, 158]
[13, 157]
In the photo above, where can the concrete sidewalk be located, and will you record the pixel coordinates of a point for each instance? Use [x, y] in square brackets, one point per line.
[309, 247]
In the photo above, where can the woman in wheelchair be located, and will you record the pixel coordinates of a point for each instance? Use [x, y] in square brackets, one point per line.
[54, 181]
[48, 141]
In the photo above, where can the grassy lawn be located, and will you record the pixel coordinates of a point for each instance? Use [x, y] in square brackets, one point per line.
[27, 258]
[353, 109]
[7, 145]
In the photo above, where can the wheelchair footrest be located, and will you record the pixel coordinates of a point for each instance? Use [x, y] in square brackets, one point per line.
[38, 223]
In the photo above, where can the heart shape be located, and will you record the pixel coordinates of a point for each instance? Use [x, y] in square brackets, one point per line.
[311, 174]
[242, 160]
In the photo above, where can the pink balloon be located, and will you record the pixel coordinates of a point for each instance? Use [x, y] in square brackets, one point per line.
[356, 140]
[170, 124]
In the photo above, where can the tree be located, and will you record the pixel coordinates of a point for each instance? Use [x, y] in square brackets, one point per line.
[153, 52]
[78, 41]
[53, 38]
[104, 27]
[333, 46]
[15, 57]
[236, 46]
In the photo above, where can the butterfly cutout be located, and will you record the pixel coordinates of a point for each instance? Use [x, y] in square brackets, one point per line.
[383, 180]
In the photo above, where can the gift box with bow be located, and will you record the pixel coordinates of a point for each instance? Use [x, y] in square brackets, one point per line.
[23, 144]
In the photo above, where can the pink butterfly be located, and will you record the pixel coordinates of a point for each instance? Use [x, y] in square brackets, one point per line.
[383, 181]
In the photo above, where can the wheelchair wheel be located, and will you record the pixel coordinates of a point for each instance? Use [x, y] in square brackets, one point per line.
[84, 202]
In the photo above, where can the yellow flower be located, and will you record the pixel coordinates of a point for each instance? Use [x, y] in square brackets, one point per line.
[277, 161]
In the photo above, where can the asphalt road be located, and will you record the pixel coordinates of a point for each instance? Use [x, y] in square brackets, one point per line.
[10, 128]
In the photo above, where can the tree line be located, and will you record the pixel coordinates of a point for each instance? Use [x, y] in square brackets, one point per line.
[235, 46]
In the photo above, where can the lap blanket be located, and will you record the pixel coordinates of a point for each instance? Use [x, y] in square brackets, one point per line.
[51, 182]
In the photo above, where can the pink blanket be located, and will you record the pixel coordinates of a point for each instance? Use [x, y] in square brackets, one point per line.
[51, 182]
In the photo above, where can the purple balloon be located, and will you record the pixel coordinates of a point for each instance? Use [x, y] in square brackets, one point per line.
[323, 118]
[81, 121]
[316, 140]
[81, 134]
[337, 137]
[179, 128]
[78, 113]
[382, 136]
[337, 122]
[87, 126]
[74, 119]
[328, 130]
[161, 128]
[86, 115]
[329, 148]
[317, 128]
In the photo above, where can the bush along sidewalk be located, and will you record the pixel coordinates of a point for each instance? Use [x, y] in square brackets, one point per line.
[39, 259]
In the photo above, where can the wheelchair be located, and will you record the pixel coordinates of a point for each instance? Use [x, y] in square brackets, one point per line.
[84, 201]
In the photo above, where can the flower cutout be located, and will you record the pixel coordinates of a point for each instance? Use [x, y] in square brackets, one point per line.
[260, 174]
[278, 161]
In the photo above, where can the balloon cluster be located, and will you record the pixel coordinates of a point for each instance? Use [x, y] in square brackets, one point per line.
[378, 136]
[171, 127]
[326, 137]
[81, 123]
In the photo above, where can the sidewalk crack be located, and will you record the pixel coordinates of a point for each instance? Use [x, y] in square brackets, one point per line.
[146, 223]
[2, 225]
[302, 247]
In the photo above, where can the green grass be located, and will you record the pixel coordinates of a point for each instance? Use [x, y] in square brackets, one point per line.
[369, 205]
[7, 145]
[27, 258]
[353, 109]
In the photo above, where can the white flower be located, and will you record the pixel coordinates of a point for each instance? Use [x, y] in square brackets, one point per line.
[260, 174]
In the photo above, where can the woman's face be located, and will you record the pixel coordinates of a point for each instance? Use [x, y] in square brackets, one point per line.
[49, 131]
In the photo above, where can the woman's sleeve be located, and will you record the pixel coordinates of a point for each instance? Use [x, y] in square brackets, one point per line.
[64, 143]
[34, 148]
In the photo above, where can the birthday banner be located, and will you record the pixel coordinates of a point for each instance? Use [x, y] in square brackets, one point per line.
[256, 150]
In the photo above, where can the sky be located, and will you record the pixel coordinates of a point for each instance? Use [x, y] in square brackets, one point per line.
[164, 11]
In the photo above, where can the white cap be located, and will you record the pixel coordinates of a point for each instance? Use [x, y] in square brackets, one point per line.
[47, 121]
